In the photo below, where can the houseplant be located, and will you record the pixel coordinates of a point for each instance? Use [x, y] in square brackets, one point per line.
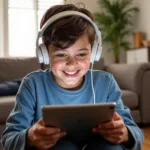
[115, 23]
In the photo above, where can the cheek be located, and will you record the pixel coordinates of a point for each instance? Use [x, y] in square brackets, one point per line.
[85, 64]
[56, 65]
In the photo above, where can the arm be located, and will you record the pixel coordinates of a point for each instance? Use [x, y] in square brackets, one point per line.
[134, 77]
[121, 129]
[134, 132]
[22, 132]
[20, 119]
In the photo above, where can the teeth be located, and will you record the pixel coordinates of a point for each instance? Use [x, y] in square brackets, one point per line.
[71, 73]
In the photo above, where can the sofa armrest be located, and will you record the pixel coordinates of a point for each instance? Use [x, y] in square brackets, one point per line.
[129, 76]
[135, 77]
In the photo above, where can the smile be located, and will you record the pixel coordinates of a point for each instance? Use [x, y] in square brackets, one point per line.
[71, 74]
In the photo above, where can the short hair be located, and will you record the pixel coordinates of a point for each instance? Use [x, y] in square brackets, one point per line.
[65, 32]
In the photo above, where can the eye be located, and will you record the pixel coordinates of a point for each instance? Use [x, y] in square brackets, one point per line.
[61, 55]
[82, 54]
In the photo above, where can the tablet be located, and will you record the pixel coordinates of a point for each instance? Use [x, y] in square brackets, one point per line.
[77, 120]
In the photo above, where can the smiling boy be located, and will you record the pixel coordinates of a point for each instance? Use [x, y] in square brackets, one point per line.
[70, 65]
[69, 42]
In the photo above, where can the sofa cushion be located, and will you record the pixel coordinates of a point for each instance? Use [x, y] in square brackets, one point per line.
[9, 87]
[6, 105]
[136, 115]
[15, 67]
[99, 65]
[130, 99]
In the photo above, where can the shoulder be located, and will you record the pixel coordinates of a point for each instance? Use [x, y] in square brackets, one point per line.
[101, 75]
[37, 73]
[37, 76]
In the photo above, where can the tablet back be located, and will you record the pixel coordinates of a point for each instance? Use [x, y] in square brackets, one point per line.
[77, 120]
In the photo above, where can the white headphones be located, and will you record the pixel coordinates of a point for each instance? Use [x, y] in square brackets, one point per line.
[42, 51]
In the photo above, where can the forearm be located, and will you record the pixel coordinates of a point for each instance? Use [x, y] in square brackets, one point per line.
[14, 140]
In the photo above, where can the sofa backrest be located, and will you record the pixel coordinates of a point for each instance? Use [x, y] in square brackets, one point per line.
[17, 67]
[99, 65]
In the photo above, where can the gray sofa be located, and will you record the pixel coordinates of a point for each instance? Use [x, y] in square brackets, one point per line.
[134, 80]
[10, 69]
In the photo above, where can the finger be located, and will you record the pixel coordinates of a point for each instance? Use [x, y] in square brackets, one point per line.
[113, 140]
[108, 124]
[47, 130]
[41, 121]
[112, 137]
[116, 131]
[58, 135]
[52, 137]
[112, 124]
[116, 116]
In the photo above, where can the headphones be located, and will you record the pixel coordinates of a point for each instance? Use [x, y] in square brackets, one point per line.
[42, 51]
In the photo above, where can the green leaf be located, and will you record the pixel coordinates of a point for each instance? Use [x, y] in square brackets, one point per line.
[115, 21]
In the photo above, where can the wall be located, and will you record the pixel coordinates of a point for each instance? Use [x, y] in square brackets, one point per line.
[89, 4]
[141, 23]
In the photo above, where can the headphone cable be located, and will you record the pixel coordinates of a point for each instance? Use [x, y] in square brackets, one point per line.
[92, 82]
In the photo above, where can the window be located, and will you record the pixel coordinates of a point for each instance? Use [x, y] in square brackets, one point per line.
[23, 24]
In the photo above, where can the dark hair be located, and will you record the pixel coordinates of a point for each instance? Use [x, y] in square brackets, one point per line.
[64, 32]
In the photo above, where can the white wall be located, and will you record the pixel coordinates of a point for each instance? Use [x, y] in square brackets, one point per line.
[142, 23]
[89, 4]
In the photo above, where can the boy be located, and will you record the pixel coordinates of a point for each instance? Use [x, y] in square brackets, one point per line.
[69, 41]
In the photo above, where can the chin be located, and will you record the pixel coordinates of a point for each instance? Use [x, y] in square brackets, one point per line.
[73, 85]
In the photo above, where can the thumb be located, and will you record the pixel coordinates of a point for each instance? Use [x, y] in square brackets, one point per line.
[41, 122]
[40, 126]
[116, 116]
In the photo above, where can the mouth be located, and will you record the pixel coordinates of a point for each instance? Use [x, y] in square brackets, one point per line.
[71, 73]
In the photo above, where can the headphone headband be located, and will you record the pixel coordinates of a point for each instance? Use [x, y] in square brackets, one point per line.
[66, 14]
[63, 14]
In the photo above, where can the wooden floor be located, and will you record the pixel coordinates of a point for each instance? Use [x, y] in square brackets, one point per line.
[147, 138]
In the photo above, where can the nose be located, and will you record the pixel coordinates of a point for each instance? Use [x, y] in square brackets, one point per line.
[71, 61]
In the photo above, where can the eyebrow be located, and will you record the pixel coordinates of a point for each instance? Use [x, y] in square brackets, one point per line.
[82, 49]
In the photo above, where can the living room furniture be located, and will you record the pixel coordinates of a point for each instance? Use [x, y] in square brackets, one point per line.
[10, 69]
[138, 55]
[133, 79]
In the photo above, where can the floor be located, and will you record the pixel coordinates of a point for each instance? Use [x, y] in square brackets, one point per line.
[147, 138]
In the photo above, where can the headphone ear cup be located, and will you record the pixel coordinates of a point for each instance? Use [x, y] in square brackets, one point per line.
[98, 53]
[39, 55]
[45, 55]
[93, 54]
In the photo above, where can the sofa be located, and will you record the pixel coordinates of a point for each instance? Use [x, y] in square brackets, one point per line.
[12, 69]
[133, 79]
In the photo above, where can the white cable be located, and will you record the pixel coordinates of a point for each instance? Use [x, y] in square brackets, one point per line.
[92, 81]
[93, 92]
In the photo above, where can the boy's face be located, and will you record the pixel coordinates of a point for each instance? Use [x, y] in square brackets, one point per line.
[71, 64]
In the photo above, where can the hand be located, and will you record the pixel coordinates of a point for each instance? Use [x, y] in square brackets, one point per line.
[42, 137]
[113, 131]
